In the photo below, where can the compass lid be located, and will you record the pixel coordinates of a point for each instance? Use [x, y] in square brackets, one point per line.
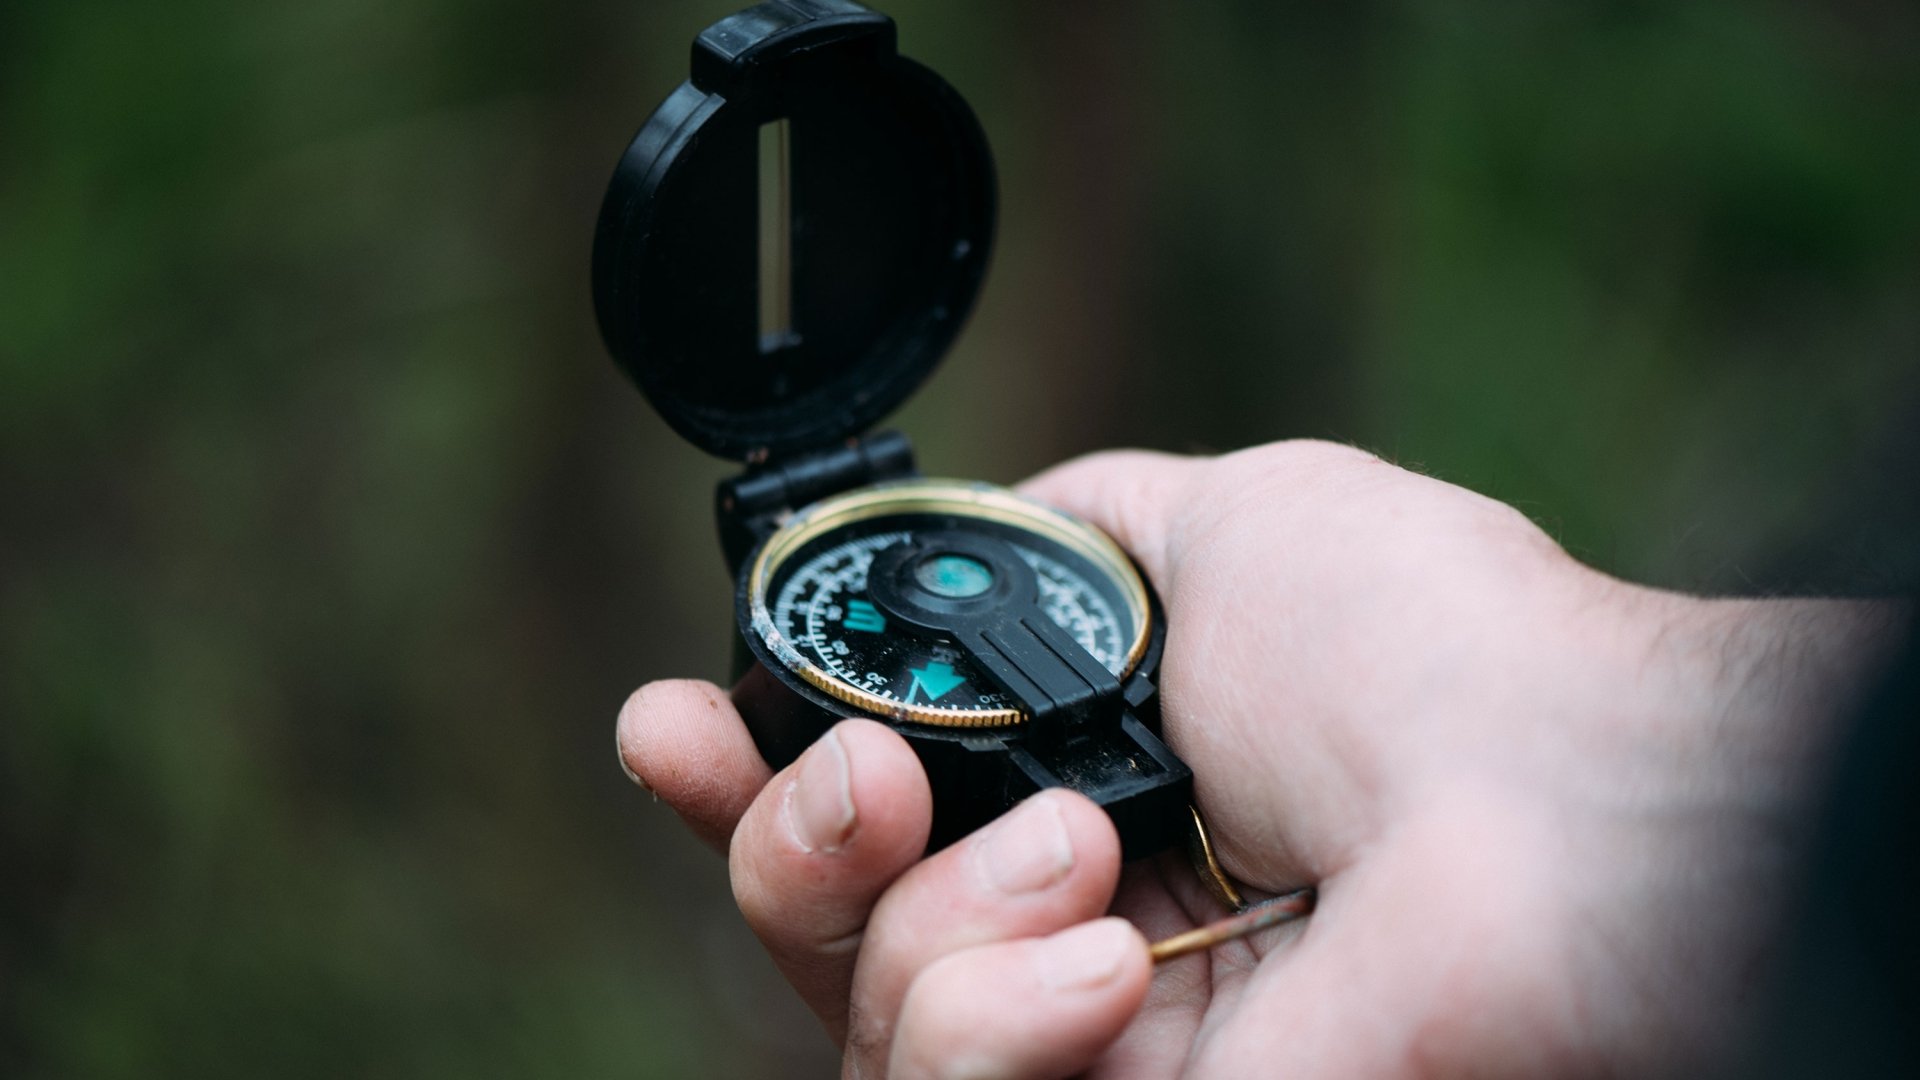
[796, 236]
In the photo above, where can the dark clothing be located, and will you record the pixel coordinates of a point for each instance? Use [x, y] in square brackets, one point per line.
[1848, 1002]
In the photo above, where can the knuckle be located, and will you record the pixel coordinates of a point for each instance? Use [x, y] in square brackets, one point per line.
[1291, 470]
[1308, 456]
[1258, 480]
[1137, 499]
[1504, 518]
[1115, 462]
[1508, 528]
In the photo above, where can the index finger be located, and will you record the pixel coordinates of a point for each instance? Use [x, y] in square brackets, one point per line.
[1132, 495]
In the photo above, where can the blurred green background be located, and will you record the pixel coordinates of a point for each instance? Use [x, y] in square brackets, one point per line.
[332, 541]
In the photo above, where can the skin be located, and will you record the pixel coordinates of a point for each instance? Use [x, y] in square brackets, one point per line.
[1548, 812]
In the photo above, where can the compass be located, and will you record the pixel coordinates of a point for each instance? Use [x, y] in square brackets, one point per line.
[788, 248]
[1012, 644]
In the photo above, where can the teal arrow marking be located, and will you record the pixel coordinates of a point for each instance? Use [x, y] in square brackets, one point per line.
[864, 616]
[936, 680]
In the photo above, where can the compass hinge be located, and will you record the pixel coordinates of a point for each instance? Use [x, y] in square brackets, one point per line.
[751, 506]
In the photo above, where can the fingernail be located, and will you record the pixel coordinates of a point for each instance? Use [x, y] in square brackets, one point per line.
[620, 755]
[1029, 849]
[1086, 956]
[820, 799]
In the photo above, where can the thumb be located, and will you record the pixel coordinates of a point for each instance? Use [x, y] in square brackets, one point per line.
[1134, 495]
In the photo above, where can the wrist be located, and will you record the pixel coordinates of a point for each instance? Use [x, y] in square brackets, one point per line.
[1763, 688]
[1715, 739]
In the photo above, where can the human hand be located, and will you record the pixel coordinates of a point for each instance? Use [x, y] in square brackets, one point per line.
[1545, 809]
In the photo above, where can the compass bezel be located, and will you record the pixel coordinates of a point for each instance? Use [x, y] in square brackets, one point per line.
[955, 498]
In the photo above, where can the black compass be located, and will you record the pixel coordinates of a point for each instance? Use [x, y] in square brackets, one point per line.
[788, 248]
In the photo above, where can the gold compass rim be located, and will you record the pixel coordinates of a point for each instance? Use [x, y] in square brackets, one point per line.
[960, 497]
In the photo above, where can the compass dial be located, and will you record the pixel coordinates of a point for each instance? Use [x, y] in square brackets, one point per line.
[811, 606]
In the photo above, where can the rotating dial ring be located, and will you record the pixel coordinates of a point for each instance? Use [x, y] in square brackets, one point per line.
[1090, 586]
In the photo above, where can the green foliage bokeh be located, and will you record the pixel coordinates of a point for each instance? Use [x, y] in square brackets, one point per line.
[332, 541]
